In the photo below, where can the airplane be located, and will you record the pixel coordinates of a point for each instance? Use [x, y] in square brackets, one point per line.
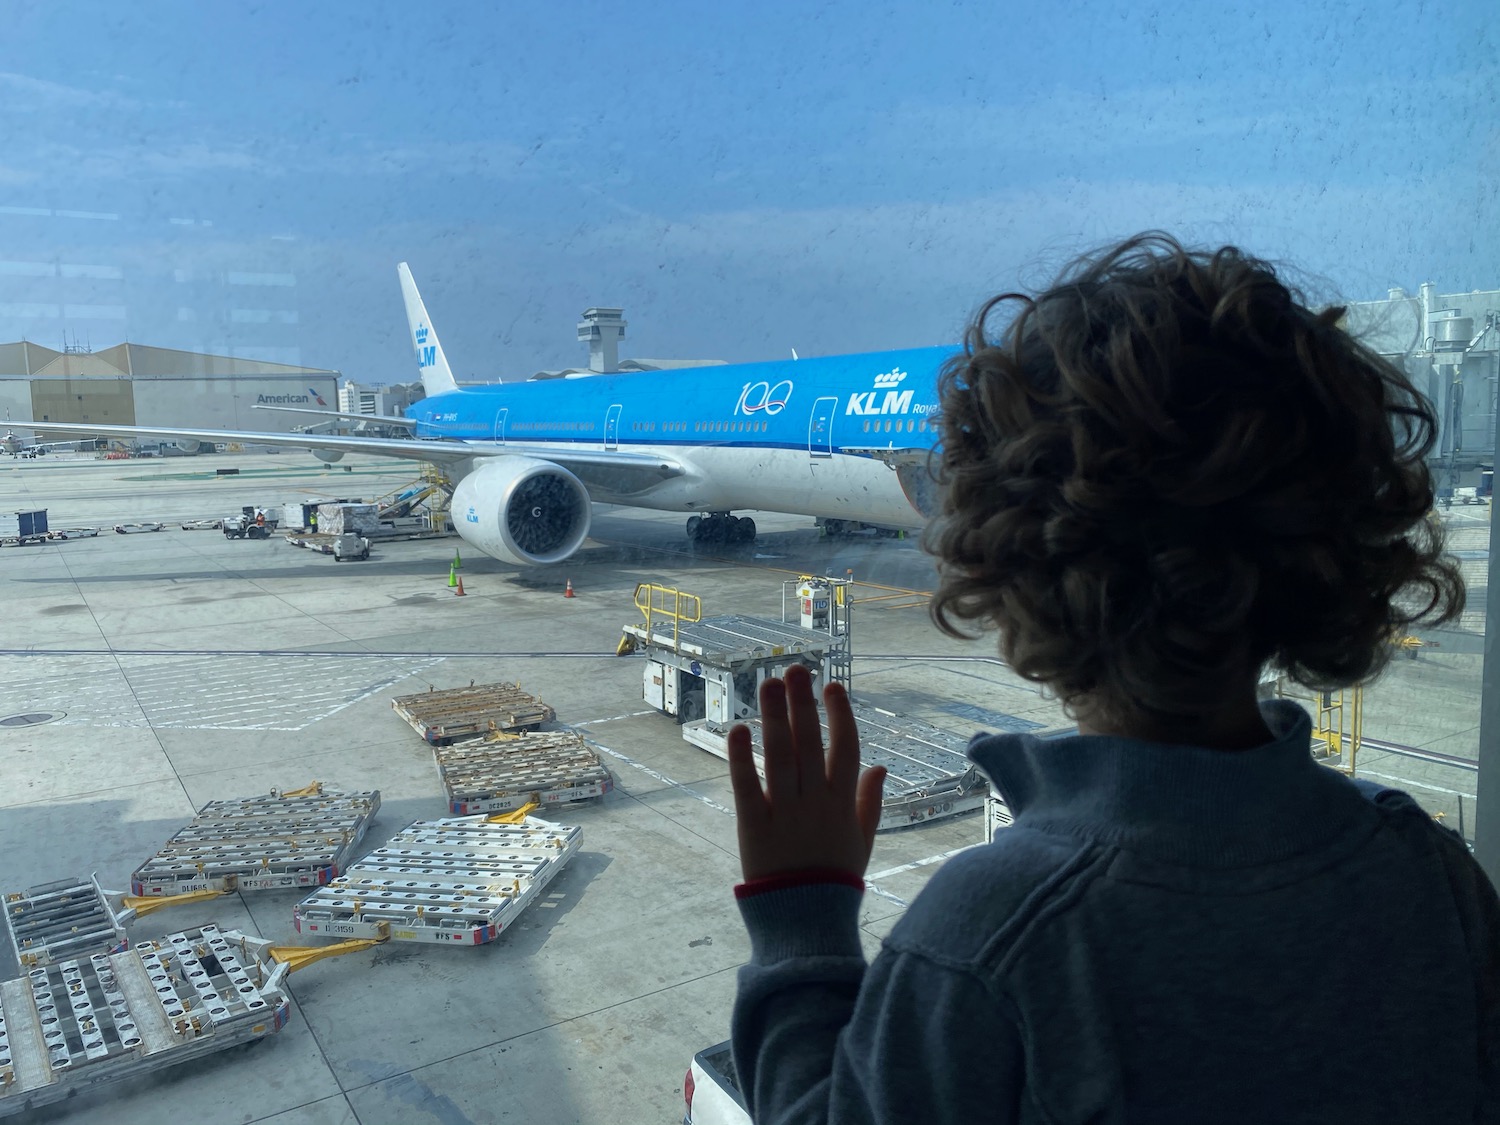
[842, 438]
[18, 446]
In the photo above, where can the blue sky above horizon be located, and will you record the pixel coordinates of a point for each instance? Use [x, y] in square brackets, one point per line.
[743, 180]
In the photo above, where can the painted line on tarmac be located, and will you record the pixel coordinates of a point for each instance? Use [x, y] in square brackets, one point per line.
[1418, 784]
[659, 776]
[916, 863]
[617, 718]
[874, 890]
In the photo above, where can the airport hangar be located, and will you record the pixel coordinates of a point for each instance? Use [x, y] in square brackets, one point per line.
[136, 385]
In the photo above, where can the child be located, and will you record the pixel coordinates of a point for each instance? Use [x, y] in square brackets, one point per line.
[1165, 475]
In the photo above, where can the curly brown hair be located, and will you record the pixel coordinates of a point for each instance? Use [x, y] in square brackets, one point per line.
[1167, 472]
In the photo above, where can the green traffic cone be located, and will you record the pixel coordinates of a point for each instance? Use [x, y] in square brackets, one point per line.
[452, 577]
[458, 563]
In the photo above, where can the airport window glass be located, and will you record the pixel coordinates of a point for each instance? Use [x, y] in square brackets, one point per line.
[185, 242]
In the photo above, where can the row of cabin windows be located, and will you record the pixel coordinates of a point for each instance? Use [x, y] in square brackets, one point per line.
[875, 426]
[869, 426]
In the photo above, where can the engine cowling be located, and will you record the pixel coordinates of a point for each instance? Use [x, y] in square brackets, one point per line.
[522, 510]
[188, 446]
[328, 456]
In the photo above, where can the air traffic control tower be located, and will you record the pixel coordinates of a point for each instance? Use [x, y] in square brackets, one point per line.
[603, 329]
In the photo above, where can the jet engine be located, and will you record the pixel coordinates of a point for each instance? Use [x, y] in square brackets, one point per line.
[522, 510]
[328, 456]
[188, 446]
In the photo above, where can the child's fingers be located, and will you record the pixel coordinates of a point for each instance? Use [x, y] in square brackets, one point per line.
[749, 798]
[807, 729]
[843, 741]
[777, 752]
[867, 805]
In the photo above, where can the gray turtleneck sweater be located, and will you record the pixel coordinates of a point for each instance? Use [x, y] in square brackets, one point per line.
[1166, 934]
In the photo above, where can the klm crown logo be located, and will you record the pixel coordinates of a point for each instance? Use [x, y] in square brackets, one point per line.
[426, 353]
[894, 402]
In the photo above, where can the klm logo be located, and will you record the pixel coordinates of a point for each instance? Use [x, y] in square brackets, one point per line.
[426, 355]
[471, 515]
[894, 402]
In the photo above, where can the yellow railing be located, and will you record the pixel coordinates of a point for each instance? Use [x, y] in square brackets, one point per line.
[668, 603]
[1337, 722]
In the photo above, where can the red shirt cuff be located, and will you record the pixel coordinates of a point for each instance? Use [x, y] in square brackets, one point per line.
[785, 880]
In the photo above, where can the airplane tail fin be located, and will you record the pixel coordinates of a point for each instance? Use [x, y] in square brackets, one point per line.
[437, 376]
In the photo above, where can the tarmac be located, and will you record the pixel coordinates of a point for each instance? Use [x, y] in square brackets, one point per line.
[181, 667]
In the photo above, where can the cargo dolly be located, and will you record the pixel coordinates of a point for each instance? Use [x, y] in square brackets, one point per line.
[454, 714]
[85, 1022]
[500, 773]
[450, 882]
[298, 838]
[63, 919]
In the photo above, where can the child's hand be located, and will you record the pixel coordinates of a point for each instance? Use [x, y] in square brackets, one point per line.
[812, 813]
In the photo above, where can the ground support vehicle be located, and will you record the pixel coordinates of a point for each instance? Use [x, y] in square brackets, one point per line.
[134, 528]
[996, 815]
[848, 529]
[712, 1090]
[62, 919]
[244, 527]
[500, 772]
[31, 529]
[454, 714]
[929, 775]
[73, 533]
[350, 546]
[202, 525]
[90, 1021]
[302, 838]
[451, 882]
[708, 670]
[312, 541]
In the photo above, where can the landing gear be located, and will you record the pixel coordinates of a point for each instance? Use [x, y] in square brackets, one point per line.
[721, 527]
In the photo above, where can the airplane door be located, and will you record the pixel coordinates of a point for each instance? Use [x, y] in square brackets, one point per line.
[500, 424]
[612, 427]
[820, 427]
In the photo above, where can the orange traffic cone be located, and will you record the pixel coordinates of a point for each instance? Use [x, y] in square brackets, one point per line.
[568, 589]
[460, 591]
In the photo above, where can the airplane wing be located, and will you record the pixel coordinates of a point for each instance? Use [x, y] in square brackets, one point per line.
[615, 472]
[383, 419]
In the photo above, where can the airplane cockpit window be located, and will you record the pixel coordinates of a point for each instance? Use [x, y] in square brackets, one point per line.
[426, 433]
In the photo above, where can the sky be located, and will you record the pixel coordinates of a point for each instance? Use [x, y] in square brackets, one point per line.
[742, 179]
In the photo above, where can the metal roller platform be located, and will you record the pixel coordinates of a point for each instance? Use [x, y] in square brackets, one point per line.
[79, 1024]
[63, 919]
[296, 839]
[454, 714]
[732, 639]
[502, 773]
[929, 774]
[457, 881]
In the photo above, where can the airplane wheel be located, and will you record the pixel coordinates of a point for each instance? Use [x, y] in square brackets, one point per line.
[695, 528]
